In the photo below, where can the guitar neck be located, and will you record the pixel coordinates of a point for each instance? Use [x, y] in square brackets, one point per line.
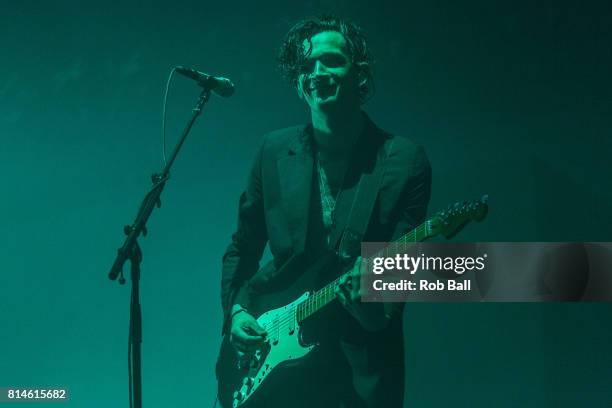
[325, 295]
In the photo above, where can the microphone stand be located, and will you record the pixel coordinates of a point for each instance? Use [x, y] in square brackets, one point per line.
[131, 250]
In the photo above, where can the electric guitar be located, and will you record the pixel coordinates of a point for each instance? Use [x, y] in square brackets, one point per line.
[282, 312]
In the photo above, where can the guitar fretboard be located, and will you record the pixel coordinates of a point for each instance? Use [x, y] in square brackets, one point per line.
[325, 295]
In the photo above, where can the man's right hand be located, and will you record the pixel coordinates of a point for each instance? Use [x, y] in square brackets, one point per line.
[246, 335]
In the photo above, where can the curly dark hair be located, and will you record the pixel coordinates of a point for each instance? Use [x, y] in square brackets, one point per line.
[291, 56]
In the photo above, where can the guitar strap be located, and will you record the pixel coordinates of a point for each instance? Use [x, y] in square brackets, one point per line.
[361, 207]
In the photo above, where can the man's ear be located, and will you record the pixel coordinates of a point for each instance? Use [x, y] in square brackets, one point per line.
[363, 73]
[300, 87]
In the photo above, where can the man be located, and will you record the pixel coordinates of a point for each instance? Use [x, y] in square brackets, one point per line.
[300, 192]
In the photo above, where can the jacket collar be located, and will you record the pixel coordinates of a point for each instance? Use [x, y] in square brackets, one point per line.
[302, 140]
[296, 168]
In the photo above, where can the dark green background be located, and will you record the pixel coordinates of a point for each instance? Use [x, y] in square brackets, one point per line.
[509, 98]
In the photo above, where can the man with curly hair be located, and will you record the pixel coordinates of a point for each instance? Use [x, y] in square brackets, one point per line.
[299, 194]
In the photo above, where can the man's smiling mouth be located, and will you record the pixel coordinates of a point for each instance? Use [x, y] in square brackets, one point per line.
[323, 89]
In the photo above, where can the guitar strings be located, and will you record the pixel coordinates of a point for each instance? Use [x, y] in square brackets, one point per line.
[289, 318]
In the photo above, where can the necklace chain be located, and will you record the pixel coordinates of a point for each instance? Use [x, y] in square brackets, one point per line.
[328, 201]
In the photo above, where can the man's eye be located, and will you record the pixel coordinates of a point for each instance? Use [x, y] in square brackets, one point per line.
[329, 61]
[333, 61]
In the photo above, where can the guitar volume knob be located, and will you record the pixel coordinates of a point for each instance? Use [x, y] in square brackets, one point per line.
[238, 396]
[255, 362]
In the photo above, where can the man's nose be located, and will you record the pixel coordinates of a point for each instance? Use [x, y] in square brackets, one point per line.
[319, 69]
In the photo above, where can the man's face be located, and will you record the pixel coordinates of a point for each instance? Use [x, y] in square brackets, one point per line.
[329, 79]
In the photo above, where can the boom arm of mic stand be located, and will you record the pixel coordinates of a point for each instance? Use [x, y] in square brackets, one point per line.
[152, 198]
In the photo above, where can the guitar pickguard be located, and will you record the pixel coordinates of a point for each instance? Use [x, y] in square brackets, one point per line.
[283, 345]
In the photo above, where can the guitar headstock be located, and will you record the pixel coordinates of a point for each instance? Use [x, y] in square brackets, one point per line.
[451, 220]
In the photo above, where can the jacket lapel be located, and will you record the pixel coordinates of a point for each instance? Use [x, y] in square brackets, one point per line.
[295, 168]
[343, 205]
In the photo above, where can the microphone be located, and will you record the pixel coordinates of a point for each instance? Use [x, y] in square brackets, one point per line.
[219, 85]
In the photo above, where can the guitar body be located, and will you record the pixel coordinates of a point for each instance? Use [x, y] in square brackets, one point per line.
[283, 299]
[240, 384]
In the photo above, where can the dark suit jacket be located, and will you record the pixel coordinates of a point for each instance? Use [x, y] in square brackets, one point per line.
[275, 205]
